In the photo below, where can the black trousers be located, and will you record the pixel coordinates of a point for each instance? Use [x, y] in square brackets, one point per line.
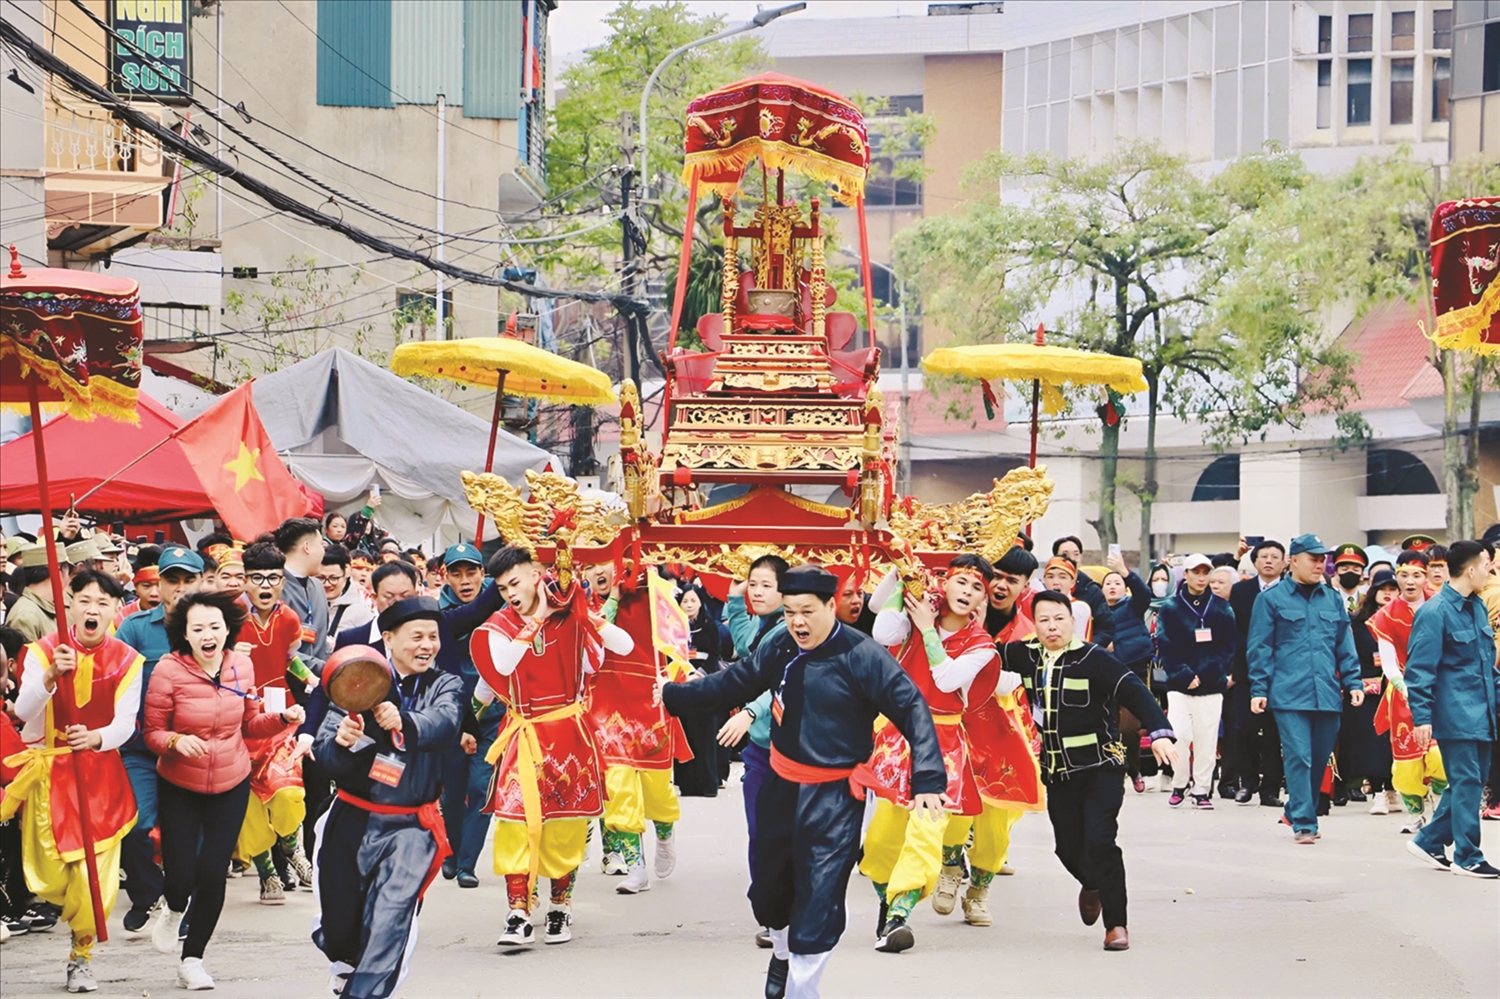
[198, 832]
[806, 843]
[1259, 758]
[1085, 812]
[317, 789]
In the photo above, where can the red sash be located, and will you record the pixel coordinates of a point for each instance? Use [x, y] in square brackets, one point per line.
[861, 778]
[428, 817]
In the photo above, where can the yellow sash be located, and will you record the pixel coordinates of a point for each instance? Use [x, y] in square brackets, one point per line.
[528, 762]
[36, 773]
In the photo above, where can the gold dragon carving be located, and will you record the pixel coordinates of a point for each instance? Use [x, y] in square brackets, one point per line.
[985, 523]
[553, 512]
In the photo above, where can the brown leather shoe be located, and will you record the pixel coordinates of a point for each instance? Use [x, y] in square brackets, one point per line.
[1117, 938]
[1089, 906]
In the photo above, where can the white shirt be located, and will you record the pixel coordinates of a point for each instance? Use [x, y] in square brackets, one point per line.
[894, 627]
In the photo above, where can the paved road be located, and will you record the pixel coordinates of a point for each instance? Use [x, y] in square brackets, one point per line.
[1222, 904]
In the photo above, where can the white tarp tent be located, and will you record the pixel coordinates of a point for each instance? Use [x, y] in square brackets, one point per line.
[342, 424]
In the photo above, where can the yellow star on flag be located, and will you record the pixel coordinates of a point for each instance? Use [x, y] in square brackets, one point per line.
[243, 467]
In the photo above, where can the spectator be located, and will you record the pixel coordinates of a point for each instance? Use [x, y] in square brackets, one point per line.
[348, 606]
[1301, 655]
[1437, 567]
[701, 776]
[301, 541]
[1454, 691]
[1256, 741]
[200, 707]
[361, 565]
[335, 527]
[1060, 575]
[1221, 581]
[1350, 566]
[33, 614]
[1102, 623]
[1196, 639]
[1365, 754]
[1129, 598]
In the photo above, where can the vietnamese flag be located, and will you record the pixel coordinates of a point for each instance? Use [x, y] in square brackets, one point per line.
[240, 470]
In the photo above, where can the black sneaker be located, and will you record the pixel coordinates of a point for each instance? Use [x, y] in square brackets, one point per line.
[137, 918]
[18, 925]
[1243, 796]
[1436, 859]
[1272, 801]
[40, 918]
[182, 927]
[895, 937]
[776, 978]
[880, 919]
[1481, 869]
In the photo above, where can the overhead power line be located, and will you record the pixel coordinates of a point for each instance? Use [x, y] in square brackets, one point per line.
[189, 150]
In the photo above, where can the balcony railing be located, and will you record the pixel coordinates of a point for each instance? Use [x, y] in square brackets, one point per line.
[104, 179]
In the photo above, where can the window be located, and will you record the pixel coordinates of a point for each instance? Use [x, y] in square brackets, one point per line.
[1361, 32]
[1325, 35]
[1389, 472]
[1442, 29]
[1404, 30]
[884, 188]
[1219, 481]
[1492, 56]
[1401, 83]
[1325, 93]
[1357, 111]
[416, 313]
[1442, 79]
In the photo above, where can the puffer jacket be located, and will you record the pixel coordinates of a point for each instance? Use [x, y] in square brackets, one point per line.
[184, 700]
[1182, 656]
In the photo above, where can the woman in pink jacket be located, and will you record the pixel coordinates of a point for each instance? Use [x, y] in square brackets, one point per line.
[200, 706]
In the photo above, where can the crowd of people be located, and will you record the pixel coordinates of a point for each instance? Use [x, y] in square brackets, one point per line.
[181, 723]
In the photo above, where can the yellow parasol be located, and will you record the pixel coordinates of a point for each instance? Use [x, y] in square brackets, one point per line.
[509, 366]
[1046, 367]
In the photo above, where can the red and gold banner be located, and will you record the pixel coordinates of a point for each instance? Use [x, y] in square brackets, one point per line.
[1465, 240]
[786, 123]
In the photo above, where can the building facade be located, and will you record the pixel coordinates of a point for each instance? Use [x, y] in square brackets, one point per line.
[1476, 79]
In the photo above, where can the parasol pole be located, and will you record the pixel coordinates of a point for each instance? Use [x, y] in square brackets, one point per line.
[1036, 398]
[489, 458]
[684, 262]
[864, 270]
[44, 495]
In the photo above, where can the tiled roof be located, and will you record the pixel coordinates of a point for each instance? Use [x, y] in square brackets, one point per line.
[1393, 354]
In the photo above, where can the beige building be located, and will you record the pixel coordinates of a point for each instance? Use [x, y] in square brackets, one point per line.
[1476, 79]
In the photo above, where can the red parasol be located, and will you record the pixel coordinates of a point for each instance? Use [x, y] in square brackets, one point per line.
[69, 337]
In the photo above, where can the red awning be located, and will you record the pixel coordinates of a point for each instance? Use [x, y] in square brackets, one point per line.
[80, 455]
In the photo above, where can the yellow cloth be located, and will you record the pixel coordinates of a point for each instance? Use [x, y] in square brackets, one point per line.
[903, 850]
[991, 835]
[528, 765]
[66, 884]
[267, 821]
[636, 796]
[1411, 776]
[560, 850]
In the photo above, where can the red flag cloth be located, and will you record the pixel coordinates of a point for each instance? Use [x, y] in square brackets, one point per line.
[239, 468]
[1465, 239]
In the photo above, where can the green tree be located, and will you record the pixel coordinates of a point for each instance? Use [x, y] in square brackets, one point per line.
[1140, 256]
[293, 319]
[1365, 241]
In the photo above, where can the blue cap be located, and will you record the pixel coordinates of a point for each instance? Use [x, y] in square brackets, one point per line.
[462, 552]
[1309, 544]
[178, 557]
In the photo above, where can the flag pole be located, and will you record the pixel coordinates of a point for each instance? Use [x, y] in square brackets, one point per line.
[44, 496]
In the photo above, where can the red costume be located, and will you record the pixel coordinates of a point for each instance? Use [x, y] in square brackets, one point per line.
[629, 730]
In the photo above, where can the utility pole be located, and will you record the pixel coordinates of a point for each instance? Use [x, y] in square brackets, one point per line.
[631, 366]
[442, 189]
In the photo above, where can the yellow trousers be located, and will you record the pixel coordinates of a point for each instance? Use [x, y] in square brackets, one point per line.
[563, 843]
[636, 796]
[267, 821]
[903, 850]
[991, 835]
[66, 883]
[1410, 777]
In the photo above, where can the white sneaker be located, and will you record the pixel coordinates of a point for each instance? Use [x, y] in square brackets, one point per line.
[301, 866]
[1379, 805]
[613, 863]
[191, 975]
[1164, 783]
[337, 981]
[518, 930]
[4, 932]
[636, 881]
[559, 925]
[164, 931]
[666, 856]
[80, 976]
[1413, 823]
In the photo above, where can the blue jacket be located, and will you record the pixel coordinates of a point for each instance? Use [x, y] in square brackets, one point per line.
[1182, 656]
[146, 632]
[1451, 681]
[1132, 640]
[1300, 650]
[748, 631]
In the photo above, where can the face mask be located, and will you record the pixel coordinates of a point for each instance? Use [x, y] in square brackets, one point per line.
[1349, 580]
[1159, 587]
